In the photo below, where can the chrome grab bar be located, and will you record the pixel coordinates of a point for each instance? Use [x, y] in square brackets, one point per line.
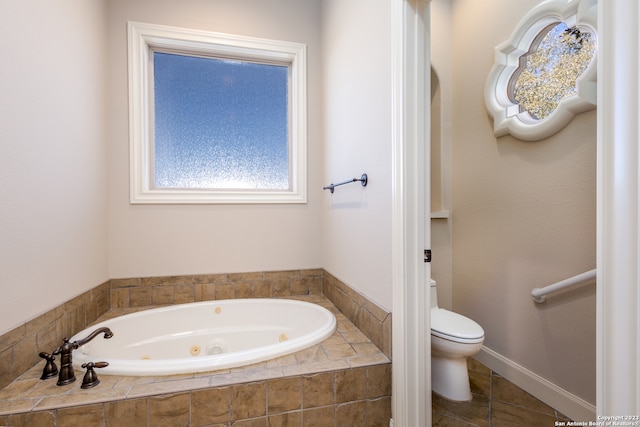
[539, 295]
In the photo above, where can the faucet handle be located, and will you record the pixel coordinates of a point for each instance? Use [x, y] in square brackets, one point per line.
[50, 369]
[90, 377]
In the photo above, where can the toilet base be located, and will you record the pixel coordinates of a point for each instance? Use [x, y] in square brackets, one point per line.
[450, 378]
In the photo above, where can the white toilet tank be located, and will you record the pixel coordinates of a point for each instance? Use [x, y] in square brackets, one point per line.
[434, 294]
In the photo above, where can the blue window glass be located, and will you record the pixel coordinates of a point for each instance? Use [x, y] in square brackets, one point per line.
[220, 124]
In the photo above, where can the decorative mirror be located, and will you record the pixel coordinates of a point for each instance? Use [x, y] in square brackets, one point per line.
[545, 73]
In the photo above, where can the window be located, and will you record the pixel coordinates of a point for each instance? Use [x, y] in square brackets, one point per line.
[215, 118]
[549, 73]
[545, 73]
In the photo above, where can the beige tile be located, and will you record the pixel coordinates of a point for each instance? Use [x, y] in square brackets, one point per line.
[32, 419]
[311, 354]
[279, 287]
[505, 391]
[287, 360]
[315, 367]
[335, 339]
[121, 413]
[17, 405]
[351, 414]
[253, 422]
[284, 395]
[475, 412]
[175, 386]
[91, 396]
[319, 417]
[379, 412]
[245, 290]
[86, 416]
[365, 349]
[378, 381]
[34, 325]
[18, 389]
[6, 362]
[290, 419]
[225, 291]
[355, 337]
[24, 356]
[318, 390]
[284, 274]
[120, 298]
[184, 293]
[262, 290]
[169, 410]
[339, 351]
[12, 337]
[140, 297]
[351, 385]
[440, 420]
[479, 378]
[124, 283]
[207, 292]
[243, 277]
[162, 295]
[374, 359]
[506, 415]
[248, 400]
[210, 406]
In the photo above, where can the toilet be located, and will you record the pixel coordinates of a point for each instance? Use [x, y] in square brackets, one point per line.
[454, 337]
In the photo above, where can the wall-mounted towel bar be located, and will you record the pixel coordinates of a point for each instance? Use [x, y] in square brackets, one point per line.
[540, 294]
[364, 179]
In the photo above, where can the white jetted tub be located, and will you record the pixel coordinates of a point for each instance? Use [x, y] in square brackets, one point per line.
[205, 336]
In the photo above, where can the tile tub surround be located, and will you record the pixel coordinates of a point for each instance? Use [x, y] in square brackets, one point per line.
[19, 348]
[346, 377]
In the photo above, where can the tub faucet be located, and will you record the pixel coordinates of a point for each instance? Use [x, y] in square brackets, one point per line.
[66, 374]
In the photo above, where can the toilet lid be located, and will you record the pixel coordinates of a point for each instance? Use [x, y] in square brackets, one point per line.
[455, 327]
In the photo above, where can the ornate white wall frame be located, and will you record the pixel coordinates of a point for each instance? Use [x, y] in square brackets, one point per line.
[507, 116]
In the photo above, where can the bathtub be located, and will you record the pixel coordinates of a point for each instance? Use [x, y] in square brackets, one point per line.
[205, 336]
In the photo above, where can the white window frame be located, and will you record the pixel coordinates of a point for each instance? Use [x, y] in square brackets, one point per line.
[143, 40]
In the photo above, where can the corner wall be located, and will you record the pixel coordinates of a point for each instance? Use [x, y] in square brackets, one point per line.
[164, 240]
[53, 169]
[356, 225]
[524, 217]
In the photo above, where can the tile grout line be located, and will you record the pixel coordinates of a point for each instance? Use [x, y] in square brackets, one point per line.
[490, 420]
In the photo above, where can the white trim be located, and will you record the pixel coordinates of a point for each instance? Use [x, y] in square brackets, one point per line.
[142, 39]
[567, 403]
[506, 116]
[411, 394]
[618, 277]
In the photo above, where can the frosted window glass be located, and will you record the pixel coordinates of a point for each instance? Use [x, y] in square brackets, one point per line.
[220, 124]
[549, 73]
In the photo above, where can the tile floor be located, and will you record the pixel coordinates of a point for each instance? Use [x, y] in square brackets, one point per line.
[496, 403]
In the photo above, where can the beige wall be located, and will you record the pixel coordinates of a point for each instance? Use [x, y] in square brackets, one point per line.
[183, 239]
[524, 216]
[53, 170]
[67, 222]
[356, 228]
[441, 162]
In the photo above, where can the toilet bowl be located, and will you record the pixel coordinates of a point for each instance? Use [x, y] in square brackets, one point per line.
[454, 337]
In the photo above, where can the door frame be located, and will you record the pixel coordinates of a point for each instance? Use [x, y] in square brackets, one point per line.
[618, 214]
[411, 346]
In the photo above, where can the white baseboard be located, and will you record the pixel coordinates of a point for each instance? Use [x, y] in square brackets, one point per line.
[568, 404]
